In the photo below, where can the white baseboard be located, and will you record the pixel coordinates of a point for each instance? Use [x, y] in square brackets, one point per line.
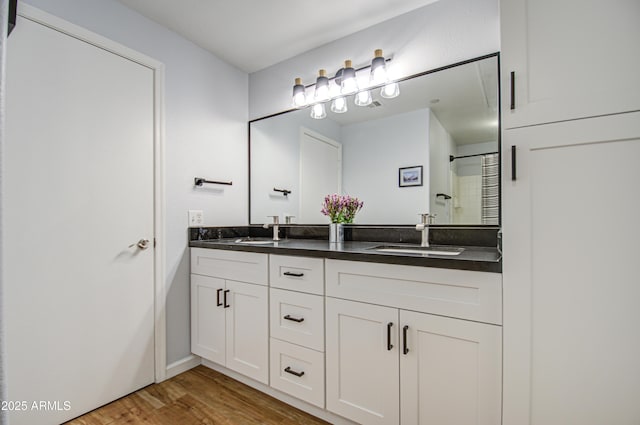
[292, 401]
[182, 365]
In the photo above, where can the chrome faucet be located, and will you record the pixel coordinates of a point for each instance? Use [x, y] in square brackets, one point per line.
[276, 226]
[423, 227]
[288, 219]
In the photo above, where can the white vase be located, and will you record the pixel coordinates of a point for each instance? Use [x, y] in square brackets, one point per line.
[336, 232]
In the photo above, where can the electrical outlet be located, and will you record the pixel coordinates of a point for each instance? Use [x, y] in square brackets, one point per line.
[196, 218]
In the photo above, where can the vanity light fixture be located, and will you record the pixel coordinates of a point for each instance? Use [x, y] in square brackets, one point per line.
[363, 98]
[379, 76]
[339, 105]
[348, 83]
[345, 83]
[390, 91]
[378, 73]
[318, 111]
[322, 87]
[299, 97]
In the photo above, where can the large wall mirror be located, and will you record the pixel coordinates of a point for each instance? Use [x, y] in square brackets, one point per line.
[434, 148]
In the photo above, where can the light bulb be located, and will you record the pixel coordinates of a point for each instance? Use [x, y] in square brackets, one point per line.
[363, 98]
[339, 105]
[318, 111]
[322, 87]
[299, 97]
[349, 83]
[378, 69]
[390, 91]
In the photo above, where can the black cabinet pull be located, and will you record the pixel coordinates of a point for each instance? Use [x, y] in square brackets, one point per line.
[218, 303]
[513, 90]
[389, 345]
[293, 319]
[513, 163]
[226, 291]
[293, 372]
[405, 349]
[293, 274]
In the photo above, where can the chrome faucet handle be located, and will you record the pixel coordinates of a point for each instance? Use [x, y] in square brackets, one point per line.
[424, 218]
[275, 224]
[287, 219]
[276, 219]
[423, 227]
[432, 218]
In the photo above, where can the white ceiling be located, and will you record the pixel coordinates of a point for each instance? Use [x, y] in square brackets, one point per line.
[254, 34]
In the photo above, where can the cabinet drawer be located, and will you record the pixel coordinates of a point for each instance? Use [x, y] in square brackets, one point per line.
[288, 361]
[455, 293]
[297, 318]
[297, 273]
[239, 266]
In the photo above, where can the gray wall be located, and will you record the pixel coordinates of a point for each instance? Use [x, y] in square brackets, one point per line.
[205, 135]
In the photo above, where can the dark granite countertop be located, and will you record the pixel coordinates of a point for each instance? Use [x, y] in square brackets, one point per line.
[476, 258]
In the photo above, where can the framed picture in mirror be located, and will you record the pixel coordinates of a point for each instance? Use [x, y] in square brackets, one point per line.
[410, 176]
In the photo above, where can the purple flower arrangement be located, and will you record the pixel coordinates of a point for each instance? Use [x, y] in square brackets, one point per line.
[341, 209]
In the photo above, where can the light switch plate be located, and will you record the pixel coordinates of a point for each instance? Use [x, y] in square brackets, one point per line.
[196, 218]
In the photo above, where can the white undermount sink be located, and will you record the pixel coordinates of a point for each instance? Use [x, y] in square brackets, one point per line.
[436, 250]
[254, 241]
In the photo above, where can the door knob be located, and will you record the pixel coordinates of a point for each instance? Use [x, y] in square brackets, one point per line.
[142, 244]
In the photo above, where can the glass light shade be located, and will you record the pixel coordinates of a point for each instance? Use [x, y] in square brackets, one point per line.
[363, 98]
[318, 111]
[322, 87]
[349, 84]
[299, 96]
[339, 105]
[390, 91]
[378, 73]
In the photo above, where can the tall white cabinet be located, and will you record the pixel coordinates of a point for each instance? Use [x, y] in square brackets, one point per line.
[569, 59]
[570, 217]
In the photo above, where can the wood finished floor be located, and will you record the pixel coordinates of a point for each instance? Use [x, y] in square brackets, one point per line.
[199, 396]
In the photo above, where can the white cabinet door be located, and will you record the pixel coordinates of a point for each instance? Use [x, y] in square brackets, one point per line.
[451, 372]
[571, 59]
[362, 369]
[247, 323]
[571, 231]
[208, 318]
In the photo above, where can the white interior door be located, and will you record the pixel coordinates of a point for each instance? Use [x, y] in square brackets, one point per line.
[320, 174]
[78, 185]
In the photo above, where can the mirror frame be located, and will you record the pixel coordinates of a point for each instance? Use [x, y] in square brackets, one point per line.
[409, 77]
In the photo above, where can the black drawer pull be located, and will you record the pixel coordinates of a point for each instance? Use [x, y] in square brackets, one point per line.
[293, 319]
[405, 349]
[226, 291]
[218, 303]
[293, 274]
[513, 90]
[389, 345]
[513, 163]
[293, 372]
